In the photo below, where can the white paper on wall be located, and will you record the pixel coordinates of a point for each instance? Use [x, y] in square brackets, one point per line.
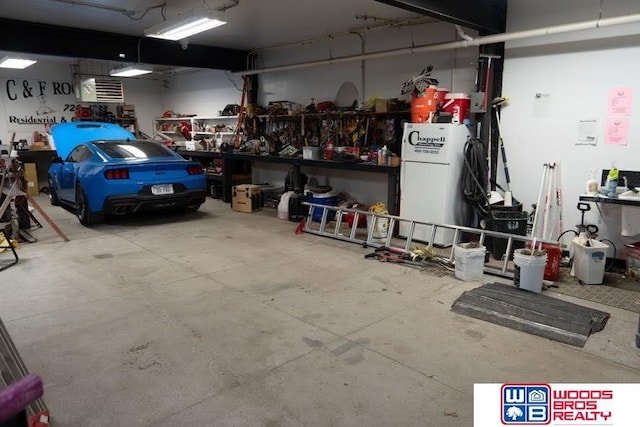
[541, 105]
[587, 132]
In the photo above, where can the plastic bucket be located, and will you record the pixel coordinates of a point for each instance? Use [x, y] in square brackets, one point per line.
[283, 206]
[529, 271]
[458, 105]
[431, 94]
[469, 263]
[329, 199]
[589, 261]
[423, 106]
[380, 227]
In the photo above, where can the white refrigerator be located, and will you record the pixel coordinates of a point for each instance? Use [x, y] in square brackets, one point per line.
[431, 179]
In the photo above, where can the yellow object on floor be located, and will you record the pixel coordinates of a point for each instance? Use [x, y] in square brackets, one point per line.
[4, 245]
[379, 208]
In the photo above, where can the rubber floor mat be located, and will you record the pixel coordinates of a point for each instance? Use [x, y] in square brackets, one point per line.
[532, 313]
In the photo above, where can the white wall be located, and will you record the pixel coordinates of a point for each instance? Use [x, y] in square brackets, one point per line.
[206, 92]
[144, 94]
[382, 77]
[203, 92]
[54, 71]
[574, 73]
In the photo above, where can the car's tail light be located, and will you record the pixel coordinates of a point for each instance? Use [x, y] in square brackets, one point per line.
[117, 174]
[194, 169]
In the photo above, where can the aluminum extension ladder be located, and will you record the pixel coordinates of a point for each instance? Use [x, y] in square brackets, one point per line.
[12, 369]
[336, 232]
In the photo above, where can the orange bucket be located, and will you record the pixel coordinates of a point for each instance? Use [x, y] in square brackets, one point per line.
[423, 105]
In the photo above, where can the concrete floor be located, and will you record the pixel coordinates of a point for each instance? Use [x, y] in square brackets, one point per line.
[218, 318]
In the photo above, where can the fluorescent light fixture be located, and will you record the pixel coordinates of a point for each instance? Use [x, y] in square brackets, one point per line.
[193, 22]
[17, 63]
[131, 71]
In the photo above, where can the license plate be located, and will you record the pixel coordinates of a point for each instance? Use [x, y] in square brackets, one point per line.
[160, 189]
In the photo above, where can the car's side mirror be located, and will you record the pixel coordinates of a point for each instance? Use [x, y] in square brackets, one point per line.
[56, 159]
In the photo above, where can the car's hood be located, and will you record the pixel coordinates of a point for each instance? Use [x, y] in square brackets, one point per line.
[67, 136]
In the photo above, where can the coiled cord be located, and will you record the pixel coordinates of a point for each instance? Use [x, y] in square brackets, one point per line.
[475, 175]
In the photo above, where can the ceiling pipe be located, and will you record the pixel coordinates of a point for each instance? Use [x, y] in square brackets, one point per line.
[392, 24]
[96, 6]
[234, 3]
[478, 41]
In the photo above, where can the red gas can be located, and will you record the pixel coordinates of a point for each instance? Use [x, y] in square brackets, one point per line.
[554, 254]
[552, 267]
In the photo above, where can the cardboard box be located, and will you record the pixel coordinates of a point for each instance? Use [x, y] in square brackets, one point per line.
[381, 106]
[246, 198]
[31, 175]
[388, 105]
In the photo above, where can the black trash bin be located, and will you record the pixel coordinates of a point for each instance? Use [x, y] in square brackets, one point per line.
[506, 219]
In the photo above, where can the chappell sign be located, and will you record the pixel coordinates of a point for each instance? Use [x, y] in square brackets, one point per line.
[32, 104]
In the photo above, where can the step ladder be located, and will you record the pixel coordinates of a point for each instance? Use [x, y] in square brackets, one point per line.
[327, 227]
[9, 204]
[12, 369]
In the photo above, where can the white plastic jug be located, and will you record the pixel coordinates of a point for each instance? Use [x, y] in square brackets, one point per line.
[283, 206]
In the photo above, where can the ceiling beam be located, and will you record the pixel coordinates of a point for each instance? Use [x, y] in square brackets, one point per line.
[485, 16]
[45, 39]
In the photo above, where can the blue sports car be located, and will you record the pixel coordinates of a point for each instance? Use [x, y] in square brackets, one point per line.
[103, 169]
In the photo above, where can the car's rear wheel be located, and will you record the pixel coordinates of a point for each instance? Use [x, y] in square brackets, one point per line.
[53, 196]
[83, 211]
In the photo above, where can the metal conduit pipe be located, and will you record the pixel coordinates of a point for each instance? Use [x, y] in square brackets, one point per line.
[478, 41]
[362, 66]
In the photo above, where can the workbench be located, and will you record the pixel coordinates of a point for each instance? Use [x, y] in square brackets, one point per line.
[609, 200]
[234, 163]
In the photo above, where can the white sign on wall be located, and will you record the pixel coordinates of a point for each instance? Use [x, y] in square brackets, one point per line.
[35, 104]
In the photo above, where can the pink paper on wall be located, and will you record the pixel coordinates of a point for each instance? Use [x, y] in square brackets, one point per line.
[616, 131]
[620, 101]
